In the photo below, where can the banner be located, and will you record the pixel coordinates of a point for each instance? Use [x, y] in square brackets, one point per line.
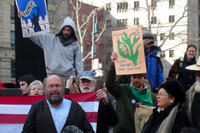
[35, 17]
[128, 44]
[14, 110]
[142, 114]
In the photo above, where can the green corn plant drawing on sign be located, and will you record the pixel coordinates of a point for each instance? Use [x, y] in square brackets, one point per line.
[125, 48]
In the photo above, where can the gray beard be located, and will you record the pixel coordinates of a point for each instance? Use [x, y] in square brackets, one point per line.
[55, 100]
[91, 89]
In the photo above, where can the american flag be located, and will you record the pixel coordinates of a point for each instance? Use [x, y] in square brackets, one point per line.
[14, 110]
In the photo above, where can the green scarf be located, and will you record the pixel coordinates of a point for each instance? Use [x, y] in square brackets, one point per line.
[143, 96]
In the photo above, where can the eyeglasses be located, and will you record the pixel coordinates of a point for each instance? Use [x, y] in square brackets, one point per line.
[54, 85]
[162, 94]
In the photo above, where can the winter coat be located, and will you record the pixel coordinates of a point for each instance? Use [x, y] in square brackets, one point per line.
[106, 117]
[154, 67]
[178, 71]
[193, 104]
[170, 123]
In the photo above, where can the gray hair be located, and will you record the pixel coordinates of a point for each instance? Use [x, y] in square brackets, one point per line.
[35, 82]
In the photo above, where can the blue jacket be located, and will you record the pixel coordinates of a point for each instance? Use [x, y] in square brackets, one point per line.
[154, 67]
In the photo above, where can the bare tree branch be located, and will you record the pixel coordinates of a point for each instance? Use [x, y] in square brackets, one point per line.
[71, 2]
[88, 18]
[148, 14]
[85, 30]
[174, 46]
[87, 56]
[101, 33]
[170, 31]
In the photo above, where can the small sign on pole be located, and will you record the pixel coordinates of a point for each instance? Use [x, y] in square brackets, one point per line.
[128, 44]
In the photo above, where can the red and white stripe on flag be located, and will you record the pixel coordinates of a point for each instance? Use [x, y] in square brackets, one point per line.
[14, 110]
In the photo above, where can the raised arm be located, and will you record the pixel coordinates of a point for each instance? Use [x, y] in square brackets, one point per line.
[110, 83]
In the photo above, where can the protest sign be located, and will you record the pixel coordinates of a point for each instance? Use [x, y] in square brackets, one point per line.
[128, 44]
[34, 18]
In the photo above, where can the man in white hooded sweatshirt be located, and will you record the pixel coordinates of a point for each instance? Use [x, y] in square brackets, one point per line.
[61, 51]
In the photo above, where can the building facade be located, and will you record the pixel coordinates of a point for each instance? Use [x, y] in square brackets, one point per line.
[7, 41]
[174, 24]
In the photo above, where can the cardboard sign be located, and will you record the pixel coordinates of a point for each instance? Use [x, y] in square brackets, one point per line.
[142, 114]
[129, 46]
[35, 18]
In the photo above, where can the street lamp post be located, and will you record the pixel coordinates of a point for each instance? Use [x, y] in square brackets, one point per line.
[95, 31]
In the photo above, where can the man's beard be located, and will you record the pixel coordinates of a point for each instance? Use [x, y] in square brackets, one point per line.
[55, 100]
[89, 89]
[67, 37]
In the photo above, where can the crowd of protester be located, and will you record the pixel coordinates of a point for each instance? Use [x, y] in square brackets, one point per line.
[142, 103]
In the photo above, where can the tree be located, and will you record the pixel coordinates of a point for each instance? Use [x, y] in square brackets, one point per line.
[83, 28]
[186, 12]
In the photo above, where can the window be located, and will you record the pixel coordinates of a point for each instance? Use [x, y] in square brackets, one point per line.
[162, 36]
[12, 14]
[171, 3]
[171, 36]
[12, 39]
[155, 37]
[136, 21]
[122, 7]
[122, 22]
[13, 71]
[171, 53]
[153, 20]
[108, 23]
[153, 4]
[108, 7]
[171, 18]
[162, 54]
[136, 6]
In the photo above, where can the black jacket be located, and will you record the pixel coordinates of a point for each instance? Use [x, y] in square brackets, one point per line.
[39, 119]
[155, 120]
[106, 117]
